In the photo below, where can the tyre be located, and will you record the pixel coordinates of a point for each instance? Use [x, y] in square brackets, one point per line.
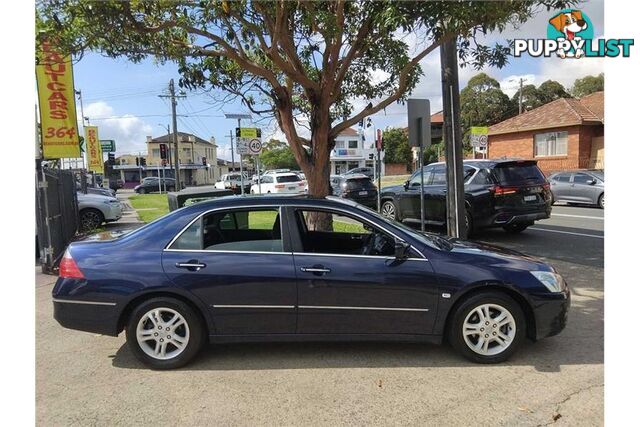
[142, 191]
[468, 221]
[487, 327]
[164, 333]
[388, 210]
[601, 201]
[515, 228]
[90, 219]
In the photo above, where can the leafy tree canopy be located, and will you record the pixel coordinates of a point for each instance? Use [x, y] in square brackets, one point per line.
[290, 59]
[277, 155]
[587, 85]
[396, 146]
[482, 102]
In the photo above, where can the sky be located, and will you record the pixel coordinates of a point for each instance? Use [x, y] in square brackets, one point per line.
[122, 98]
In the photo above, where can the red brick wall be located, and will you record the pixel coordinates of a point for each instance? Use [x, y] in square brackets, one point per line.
[395, 169]
[520, 144]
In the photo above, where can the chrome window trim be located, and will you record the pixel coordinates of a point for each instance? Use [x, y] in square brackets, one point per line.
[228, 252]
[279, 208]
[385, 257]
[333, 307]
[68, 301]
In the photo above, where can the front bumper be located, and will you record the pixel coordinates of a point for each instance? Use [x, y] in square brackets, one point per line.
[551, 312]
[113, 212]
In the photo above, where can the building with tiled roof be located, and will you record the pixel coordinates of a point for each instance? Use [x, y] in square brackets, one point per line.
[564, 134]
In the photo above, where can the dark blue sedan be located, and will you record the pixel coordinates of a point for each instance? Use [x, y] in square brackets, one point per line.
[239, 269]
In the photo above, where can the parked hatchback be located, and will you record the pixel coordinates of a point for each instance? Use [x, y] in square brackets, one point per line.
[356, 187]
[511, 194]
[580, 186]
[239, 269]
[95, 209]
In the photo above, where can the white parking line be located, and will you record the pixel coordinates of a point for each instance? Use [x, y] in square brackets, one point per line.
[565, 232]
[601, 218]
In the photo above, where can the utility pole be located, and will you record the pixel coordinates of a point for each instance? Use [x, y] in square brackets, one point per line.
[456, 225]
[79, 93]
[520, 97]
[176, 157]
[231, 142]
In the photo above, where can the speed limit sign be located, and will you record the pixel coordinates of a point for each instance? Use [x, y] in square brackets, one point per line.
[255, 147]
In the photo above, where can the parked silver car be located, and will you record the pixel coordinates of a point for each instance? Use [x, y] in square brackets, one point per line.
[94, 209]
[579, 186]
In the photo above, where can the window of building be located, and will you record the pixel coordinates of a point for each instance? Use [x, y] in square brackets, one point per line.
[238, 230]
[339, 144]
[155, 152]
[353, 144]
[330, 233]
[551, 144]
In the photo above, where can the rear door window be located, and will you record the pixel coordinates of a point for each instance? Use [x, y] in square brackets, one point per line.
[562, 177]
[582, 178]
[439, 176]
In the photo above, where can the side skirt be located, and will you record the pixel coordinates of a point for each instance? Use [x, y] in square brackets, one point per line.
[222, 339]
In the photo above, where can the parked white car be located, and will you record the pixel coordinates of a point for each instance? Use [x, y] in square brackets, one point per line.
[232, 181]
[94, 209]
[286, 182]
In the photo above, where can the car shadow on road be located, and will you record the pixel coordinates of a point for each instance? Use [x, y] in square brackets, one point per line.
[582, 342]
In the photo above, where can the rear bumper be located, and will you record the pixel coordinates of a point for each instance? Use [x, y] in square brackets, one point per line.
[551, 312]
[89, 316]
[505, 217]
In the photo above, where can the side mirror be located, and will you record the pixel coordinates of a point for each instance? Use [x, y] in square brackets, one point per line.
[406, 185]
[592, 182]
[401, 249]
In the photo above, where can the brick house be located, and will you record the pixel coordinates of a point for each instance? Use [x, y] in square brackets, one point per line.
[564, 134]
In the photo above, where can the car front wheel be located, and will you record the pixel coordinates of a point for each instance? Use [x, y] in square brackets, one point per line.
[141, 191]
[601, 201]
[164, 333]
[487, 327]
[388, 210]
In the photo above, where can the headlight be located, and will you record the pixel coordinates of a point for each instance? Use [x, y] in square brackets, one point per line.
[553, 281]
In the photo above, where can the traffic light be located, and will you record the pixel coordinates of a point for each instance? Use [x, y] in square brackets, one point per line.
[163, 151]
[143, 161]
[370, 156]
[112, 158]
[137, 161]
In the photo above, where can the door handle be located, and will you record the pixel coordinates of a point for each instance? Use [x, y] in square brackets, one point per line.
[444, 191]
[315, 269]
[192, 265]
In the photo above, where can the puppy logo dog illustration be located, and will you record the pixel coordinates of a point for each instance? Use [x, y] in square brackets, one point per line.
[570, 24]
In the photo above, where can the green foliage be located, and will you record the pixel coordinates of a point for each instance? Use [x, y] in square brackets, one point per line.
[482, 103]
[551, 90]
[432, 153]
[396, 146]
[533, 97]
[587, 85]
[277, 155]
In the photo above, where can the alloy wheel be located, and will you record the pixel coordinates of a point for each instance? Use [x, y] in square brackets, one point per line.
[90, 220]
[388, 210]
[162, 333]
[489, 329]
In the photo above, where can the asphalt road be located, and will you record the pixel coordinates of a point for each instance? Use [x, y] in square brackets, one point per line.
[91, 379]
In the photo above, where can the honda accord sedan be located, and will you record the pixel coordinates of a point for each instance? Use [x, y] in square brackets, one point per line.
[269, 268]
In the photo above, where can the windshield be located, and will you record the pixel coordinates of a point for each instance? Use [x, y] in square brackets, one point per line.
[287, 178]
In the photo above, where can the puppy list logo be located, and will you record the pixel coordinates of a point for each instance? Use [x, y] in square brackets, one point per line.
[570, 35]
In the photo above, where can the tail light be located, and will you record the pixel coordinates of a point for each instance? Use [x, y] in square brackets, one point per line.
[501, 191]
[279, 185]
[68, 267]
[301, 184]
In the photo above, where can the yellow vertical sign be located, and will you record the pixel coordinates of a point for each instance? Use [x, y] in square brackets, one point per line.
[94, 149]
[56, 99]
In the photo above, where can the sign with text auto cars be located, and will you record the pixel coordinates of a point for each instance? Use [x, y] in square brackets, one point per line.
[94, 149]
[54, 76]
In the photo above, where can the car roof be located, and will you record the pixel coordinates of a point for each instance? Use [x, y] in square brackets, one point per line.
[270, 200]
[355, 176]
[487, 163]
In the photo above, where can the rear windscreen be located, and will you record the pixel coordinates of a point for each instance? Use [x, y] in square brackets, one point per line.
[287, 178]
[360, 183]
[518, 173]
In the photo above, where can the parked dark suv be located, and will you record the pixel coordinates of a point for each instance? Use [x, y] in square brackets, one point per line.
[511, 194]
[152, 184]
[356, 187]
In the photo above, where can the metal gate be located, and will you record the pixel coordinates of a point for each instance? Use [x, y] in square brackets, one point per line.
[56, 214]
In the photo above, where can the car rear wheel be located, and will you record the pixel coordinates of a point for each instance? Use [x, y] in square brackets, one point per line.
[601, 201]
[141, 191]
[388, 210]
[164, 333]
[90, 219]
[487, 327]
[515, 228]
[468, 222]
